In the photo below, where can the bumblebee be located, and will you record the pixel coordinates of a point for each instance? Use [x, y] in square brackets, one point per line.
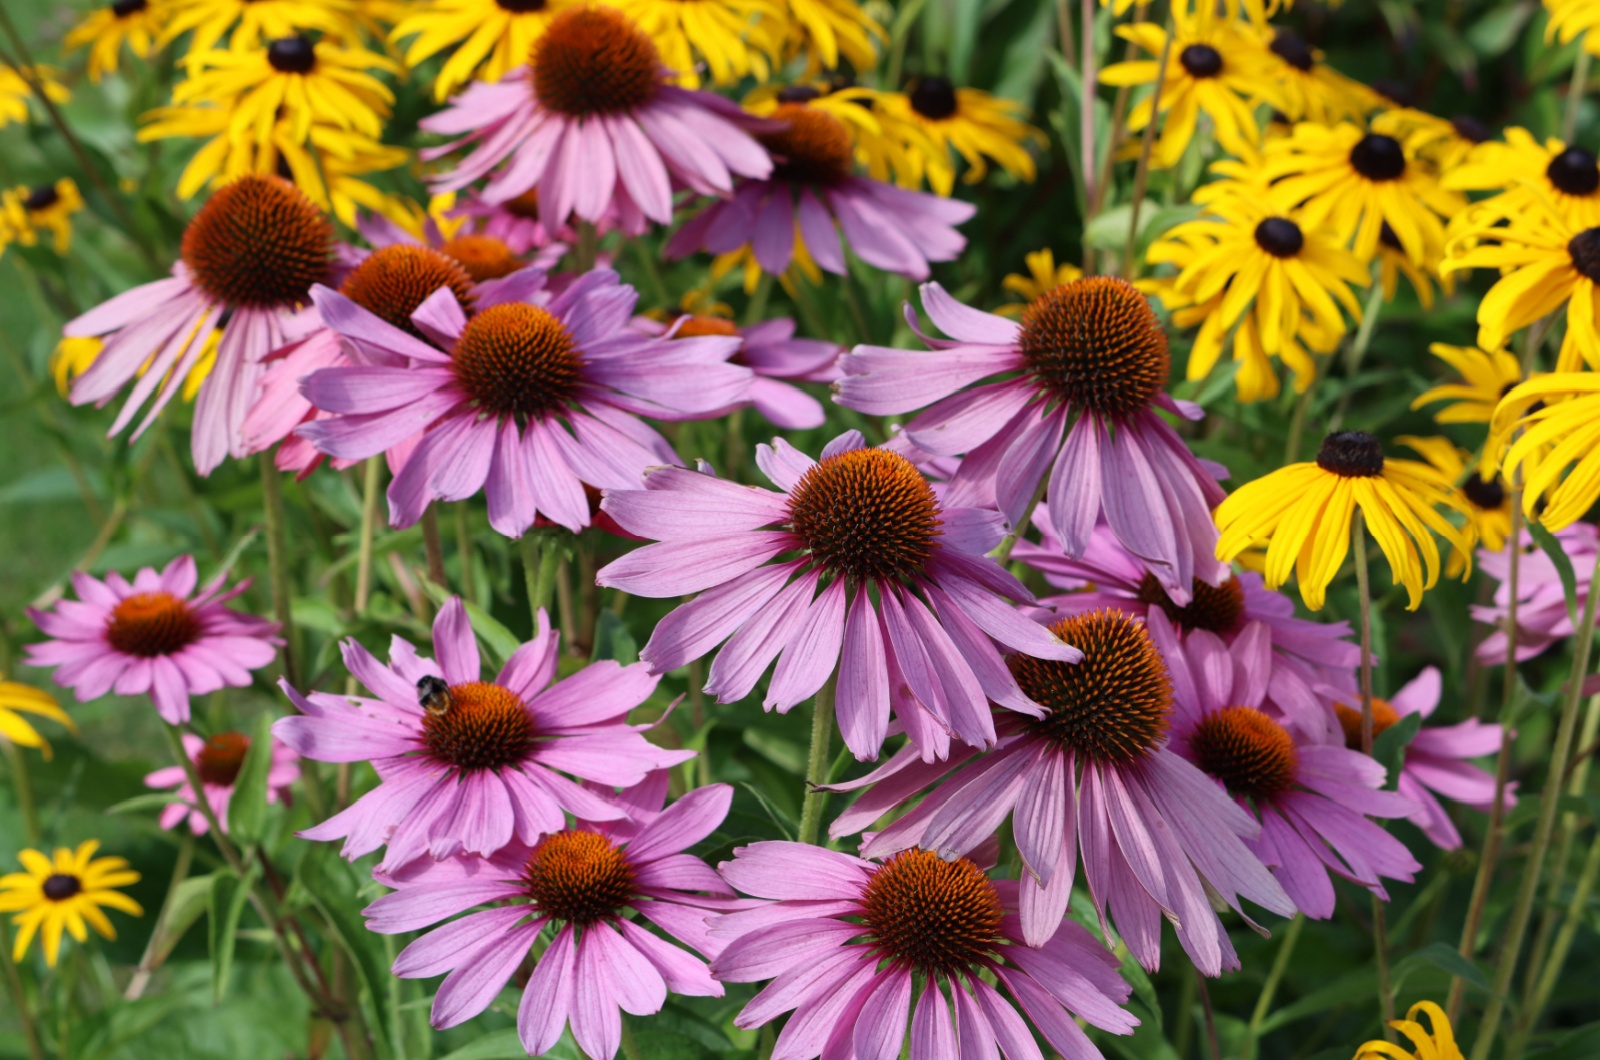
[433, 695]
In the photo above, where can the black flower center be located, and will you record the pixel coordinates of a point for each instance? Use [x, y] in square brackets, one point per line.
[1251, 754]
[933, 97]
[1485, 495]
[1378, 157]
[42, 198]
[1292, 50]
[1574, 172]
[935, 916]
[152, 624]
[59, 887]
[867, 513]
[1201, 60]
[124, 8]
[1585, 250]
[1351, 454]
[1279, 237]
[1214, 608]
[798, 94]
[520, 7]
[1470, 129]
[1386, 237]
[292, 55]
[580, 877]
[518, 359]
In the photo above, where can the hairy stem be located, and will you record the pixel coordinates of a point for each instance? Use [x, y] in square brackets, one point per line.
[817, 761]
[278, 564]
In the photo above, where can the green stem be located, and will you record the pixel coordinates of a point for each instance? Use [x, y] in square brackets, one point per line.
[22, 787]
[1086, 143]
[1141, 172]
[1575, 90]
[372, 480]
[19, 994]
[539, 563]
[1183, 1035]
[278, 564]
[1269, 989]
[464, 551]
[588, 249]
[1380, 941]
[1545, 984]
[433, 546]
[756, 309]
[1297, 422]
[174, 736]
[817, 761]
[630, 1048]
[652, 272]
[1549, 803]
[1002, 551]
[152, 957]
[1357, 350]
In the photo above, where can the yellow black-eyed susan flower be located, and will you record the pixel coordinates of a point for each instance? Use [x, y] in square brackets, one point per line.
[972, 123]
[825, 31]
[63, 894]
[490, 37]
[136, 23]
[1446, 142]
[1571, 19]
[1310, 89]
[1522, 170]
[1247, 260]
[1044, 276]
[48, 207]
[1434, 1042]
[1486, 377]
[1214, 66]
[1302, 514]
[887, 152]
[1555, 421]
[251, 23]
[18, 699]
[1357, 180]
[1545, 262]
[15, 91]
[74, 354]
[1488, 504]
[332, 173]
[734, 38]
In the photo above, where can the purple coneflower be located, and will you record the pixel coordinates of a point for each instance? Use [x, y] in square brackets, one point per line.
[1094, 774]
[472, 765]
[578, 882]
[596, 126]
[1437, 759]
[1077, 408]
[857, 521]
[249, 258]
[1542, 615]
[1308, 665]
[154, 635]
[857, 950]
[1310, 798]
[517, 224]
[813, 187]
[527, 401]
[218, 760]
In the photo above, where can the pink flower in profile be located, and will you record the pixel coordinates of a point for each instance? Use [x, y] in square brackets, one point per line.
[1437, 758]
[482, 764]
[1542, 616]
[791, 216]
[251, 255]
[528, 401]
[857, 950]
[1076, 407]
[1310, 665]
[578, 882]
[1311, 798]
[596, 126]
[857, 521]
[517, 224]
[777, 359]
[218, 760]
[1095, 774]
[154, 635]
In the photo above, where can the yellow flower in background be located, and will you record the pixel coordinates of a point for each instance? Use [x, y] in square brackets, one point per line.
[824, 31]
[1394, 262]
[18, 699]
[63, 894]
[1310, 89]
[1555, 419]
[1524, 171]
[1302, 514]
[893, 152]
[1246, 260]
[1446, 142]
[292, 80]
[1545, 263]
[1486, 377]
[1044, 276]
[1437, 1042]
[73, 356]
[735, 38]
[977, 126]
[15, 91]
[332, 176]
[136, 23]
[1488, 504]
[490, 37]
[1214, 66]
[251, 23]
[1570, 19]
[1355, 181]
[49, 207]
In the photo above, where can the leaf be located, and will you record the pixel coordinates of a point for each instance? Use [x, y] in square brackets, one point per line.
[493, 634]
[1445, 958]
[228, 895]
[247, 810]
[191, 899]
[1497, 31]
[505, 1045]
[149, 800]
[1580, 1044]
[1390, 746]
[785, 754]
[333, 887]
[785, 823]
[613, 640]
[1348, 989]
[1563, 564]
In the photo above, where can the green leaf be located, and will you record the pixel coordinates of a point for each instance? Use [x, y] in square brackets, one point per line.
[247, 810]
[492, 633]
[1497, 31]
[785, 823]
[505, 1045]
[332, 885]
[1390, 746]
[228, 895]
[1445, 958]
[784, 753]
[613, 640]
[1581, 1044]
[1348, 989]
[191, 899]
[1558, 556]
[148, 801]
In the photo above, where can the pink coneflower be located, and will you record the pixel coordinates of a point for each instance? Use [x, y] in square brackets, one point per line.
[1542, 616]
[1094, 773]
[812, 188]
[1307, 665]
[251, 254]
[778, 360]
[155, 636]
[596, 126]
[1310, 798]
[218, 760]
[860, 519]
[483, 762]
[517, 224]
[578, 881]
[527, 401]
[486, 246]
[857, 950]
[1091, 352]
[1436, 759]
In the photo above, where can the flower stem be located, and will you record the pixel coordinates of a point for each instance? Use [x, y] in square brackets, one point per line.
[817, 761]
[1380, 941]
[433, 547]
[22, 787]
[464, 550]
[371, 480]
[151, 959]
[1575, 89]
[1141, 172]
[1549, 803]
[1086, 102]
[19, 995]
[1357, 350]
[278, 564]
[1545, 983]
[1002, 551]
[192, 773]
[539, 568]
[1269, 989]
